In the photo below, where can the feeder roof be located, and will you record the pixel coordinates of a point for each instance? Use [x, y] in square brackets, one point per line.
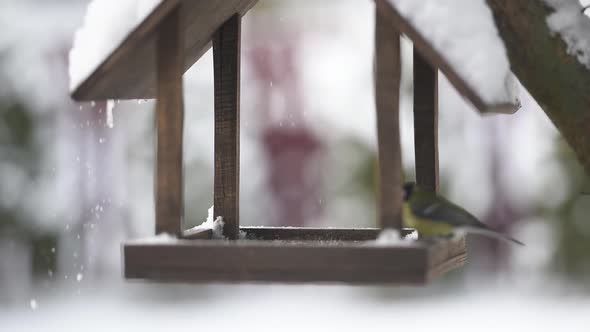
[460, 38]
[457, 36]
[128, 71]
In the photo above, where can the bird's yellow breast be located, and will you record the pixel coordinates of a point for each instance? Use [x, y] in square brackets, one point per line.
[425, 227]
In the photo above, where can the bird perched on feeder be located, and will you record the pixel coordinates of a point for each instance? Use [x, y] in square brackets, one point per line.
[433, 215]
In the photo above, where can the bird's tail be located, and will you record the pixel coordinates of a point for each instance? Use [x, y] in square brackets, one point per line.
[486, 231]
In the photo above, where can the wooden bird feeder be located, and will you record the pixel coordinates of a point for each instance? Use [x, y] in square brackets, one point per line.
[150, 63]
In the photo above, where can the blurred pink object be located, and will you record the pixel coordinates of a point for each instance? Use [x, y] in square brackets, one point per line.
[290, 146]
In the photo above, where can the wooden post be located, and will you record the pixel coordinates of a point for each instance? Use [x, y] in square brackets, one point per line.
[387, 85]
[226, 62]
[169, 126]
[426, 122]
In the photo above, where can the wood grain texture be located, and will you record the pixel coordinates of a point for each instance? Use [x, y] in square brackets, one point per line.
[169, 127]
[438, 61]
[280, 261]
[425, 123]
[446, 255]
[226, 182]
[129, 72]
[387, 85]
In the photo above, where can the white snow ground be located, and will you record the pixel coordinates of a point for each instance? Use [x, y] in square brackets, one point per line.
[295, 308]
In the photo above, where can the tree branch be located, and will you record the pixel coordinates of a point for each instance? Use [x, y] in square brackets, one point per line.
[556, 79]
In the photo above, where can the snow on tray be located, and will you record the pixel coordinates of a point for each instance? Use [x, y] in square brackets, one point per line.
[106, 24]
[391, 237]
[573, 27]
[464, 33]
[216, 225]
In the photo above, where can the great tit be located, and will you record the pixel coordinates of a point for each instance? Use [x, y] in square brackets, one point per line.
[433, 215]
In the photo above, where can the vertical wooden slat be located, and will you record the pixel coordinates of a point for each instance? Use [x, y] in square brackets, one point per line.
[426, 122]
[226, 62]
[169, 126]
[387, 85]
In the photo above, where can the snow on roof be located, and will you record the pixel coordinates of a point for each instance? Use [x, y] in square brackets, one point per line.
[573, 26]
[464, 34]
[461, 31]
[106, 24]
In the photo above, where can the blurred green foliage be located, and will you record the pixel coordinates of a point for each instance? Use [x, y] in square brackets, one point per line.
[16, 128]
[19, 150]
[572, 255]
[44, 247]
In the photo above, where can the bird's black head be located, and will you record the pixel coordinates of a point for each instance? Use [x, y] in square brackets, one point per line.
[408, 189]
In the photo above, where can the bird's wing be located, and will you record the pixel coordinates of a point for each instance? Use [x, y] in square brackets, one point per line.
[437, 208]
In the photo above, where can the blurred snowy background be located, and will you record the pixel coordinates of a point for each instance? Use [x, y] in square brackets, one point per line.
[72, 189]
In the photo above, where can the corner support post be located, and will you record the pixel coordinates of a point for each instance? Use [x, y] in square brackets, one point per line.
[168, 180]
[426, 122]
[387, 85]
[226, 64]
